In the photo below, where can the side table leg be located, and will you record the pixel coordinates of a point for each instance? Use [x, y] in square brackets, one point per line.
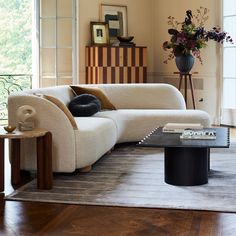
[180, 81]
[1, 164]
[192, 91]
[44, 161]
[186, 90]
[15, 162]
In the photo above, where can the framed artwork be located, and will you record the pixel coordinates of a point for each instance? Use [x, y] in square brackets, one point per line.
[99, 33]
[116, 17]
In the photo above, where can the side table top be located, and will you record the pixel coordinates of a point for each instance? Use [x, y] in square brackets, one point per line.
[185, 73]
[16, 134]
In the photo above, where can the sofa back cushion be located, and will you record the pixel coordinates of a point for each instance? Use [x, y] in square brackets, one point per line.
[144, 96]
[63, 93]
[125, 96]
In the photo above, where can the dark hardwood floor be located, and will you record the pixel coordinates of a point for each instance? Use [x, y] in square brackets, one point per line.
[26, 218]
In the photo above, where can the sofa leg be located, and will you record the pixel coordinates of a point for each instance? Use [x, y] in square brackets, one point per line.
[85, 169]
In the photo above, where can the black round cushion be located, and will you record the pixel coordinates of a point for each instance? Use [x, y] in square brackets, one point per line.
[84, 105]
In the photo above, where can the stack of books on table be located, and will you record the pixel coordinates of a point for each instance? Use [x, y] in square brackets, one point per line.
[180, 127]
[198, 134]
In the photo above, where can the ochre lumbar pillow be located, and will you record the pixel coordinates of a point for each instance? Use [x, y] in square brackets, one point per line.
[106, 104]
[62, 106]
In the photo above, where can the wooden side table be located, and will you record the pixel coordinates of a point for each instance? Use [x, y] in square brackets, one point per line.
[44, 156]
[187, 76]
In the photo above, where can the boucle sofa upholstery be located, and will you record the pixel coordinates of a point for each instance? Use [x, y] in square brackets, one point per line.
[139, 109]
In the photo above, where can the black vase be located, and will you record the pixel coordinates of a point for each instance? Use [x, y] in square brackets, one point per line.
[184, 63]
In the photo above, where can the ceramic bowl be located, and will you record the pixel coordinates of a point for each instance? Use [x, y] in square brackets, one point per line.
[125, 38]
[9, 128]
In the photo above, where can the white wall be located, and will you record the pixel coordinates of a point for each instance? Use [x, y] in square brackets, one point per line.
[147, 22]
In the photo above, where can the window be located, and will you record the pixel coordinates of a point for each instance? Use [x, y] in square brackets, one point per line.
[229, 65]
[57, 21]
[15, 49]
[38, 46]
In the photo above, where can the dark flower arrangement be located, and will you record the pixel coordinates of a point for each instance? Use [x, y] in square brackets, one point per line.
[192, 36]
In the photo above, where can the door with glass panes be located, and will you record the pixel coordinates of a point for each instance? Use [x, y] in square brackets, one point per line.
[228, 112]
[57, 43]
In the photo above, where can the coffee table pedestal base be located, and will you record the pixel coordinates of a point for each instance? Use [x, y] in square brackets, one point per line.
[186, 166]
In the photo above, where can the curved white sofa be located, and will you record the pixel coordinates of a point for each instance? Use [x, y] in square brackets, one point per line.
[140, 108]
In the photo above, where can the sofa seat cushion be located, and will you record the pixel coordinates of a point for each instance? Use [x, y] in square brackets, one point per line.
[133, 124]
[94, 138]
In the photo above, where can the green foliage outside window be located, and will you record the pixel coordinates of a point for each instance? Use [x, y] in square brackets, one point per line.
[15, 49]
[15, 36]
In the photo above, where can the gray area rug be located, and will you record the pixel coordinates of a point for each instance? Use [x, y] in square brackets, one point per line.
[133, 176]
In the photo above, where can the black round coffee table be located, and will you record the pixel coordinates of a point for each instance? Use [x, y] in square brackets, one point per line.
[187, 162]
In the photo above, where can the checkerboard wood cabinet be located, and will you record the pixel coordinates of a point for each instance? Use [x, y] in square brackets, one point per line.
[112, 64]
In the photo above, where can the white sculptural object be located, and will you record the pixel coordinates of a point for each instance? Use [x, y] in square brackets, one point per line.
[24, 114]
